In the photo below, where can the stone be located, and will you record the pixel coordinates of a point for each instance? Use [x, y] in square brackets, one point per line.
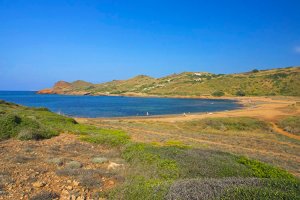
[73, 197]
[65, 195]
[76, 183]
[69, 187]
[113, 166]
[110, 182]
[38, 184]
[80, 198]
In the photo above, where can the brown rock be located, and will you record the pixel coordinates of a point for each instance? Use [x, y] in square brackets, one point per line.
[76, 183]
[38, 184]
[46, 91]
[69, 187]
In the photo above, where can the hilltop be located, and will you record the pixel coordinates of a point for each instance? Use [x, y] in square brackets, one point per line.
[281, 81]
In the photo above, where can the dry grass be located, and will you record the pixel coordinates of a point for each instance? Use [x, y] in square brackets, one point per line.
[206, 188]
[261, 143]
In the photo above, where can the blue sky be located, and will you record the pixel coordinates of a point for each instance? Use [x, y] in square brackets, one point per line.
[43, 41]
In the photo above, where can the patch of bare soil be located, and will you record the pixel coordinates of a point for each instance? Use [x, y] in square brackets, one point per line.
[59, 168]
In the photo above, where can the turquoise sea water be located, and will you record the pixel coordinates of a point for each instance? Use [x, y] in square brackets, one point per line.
[107, 106]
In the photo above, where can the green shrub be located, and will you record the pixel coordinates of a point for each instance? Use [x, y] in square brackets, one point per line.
[263, 170]
[102, 136]
[288, 191]
[35, 134]
[141, 188]
[142, 155]
[9, 125]
[218, 93]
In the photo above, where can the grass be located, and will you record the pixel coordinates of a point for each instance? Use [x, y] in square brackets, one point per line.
[103, 136]
[262, 170]
[291, 124]
[154, 171]
[233, 188]
[230, 124]
[267, 189]
[27, 123]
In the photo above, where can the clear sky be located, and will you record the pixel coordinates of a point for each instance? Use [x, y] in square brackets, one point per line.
[43, 41]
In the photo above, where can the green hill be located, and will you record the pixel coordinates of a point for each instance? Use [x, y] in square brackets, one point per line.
[281, 81]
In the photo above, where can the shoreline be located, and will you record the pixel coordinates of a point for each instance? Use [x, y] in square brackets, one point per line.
[269, 108]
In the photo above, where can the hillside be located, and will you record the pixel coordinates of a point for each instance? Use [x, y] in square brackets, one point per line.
[281, 81]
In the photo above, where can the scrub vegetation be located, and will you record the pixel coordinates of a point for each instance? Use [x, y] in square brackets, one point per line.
[155, 171]
[273, 82]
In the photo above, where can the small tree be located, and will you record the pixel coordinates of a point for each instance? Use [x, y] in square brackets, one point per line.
[240, 93]
[255, 71]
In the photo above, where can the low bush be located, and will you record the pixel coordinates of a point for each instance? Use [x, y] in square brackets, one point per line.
[9, 125]
[34, 134]
[102, 136]
[263, 170]
[140, 187]
[22, 127]
[218, 93]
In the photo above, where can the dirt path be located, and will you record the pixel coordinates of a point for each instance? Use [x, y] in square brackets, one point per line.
[282, 132]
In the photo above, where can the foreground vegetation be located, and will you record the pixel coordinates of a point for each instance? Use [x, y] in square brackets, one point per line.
[282, 81]
[170, 171]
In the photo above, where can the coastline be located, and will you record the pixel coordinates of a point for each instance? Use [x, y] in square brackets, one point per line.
[268, 108]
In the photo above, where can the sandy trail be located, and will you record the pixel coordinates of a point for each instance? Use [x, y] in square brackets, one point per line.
[285, 133]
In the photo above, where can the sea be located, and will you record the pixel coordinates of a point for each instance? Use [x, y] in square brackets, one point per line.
[117, 106]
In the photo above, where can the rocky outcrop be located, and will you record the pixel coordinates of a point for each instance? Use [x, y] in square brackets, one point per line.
[46, 91]
[60, 87]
